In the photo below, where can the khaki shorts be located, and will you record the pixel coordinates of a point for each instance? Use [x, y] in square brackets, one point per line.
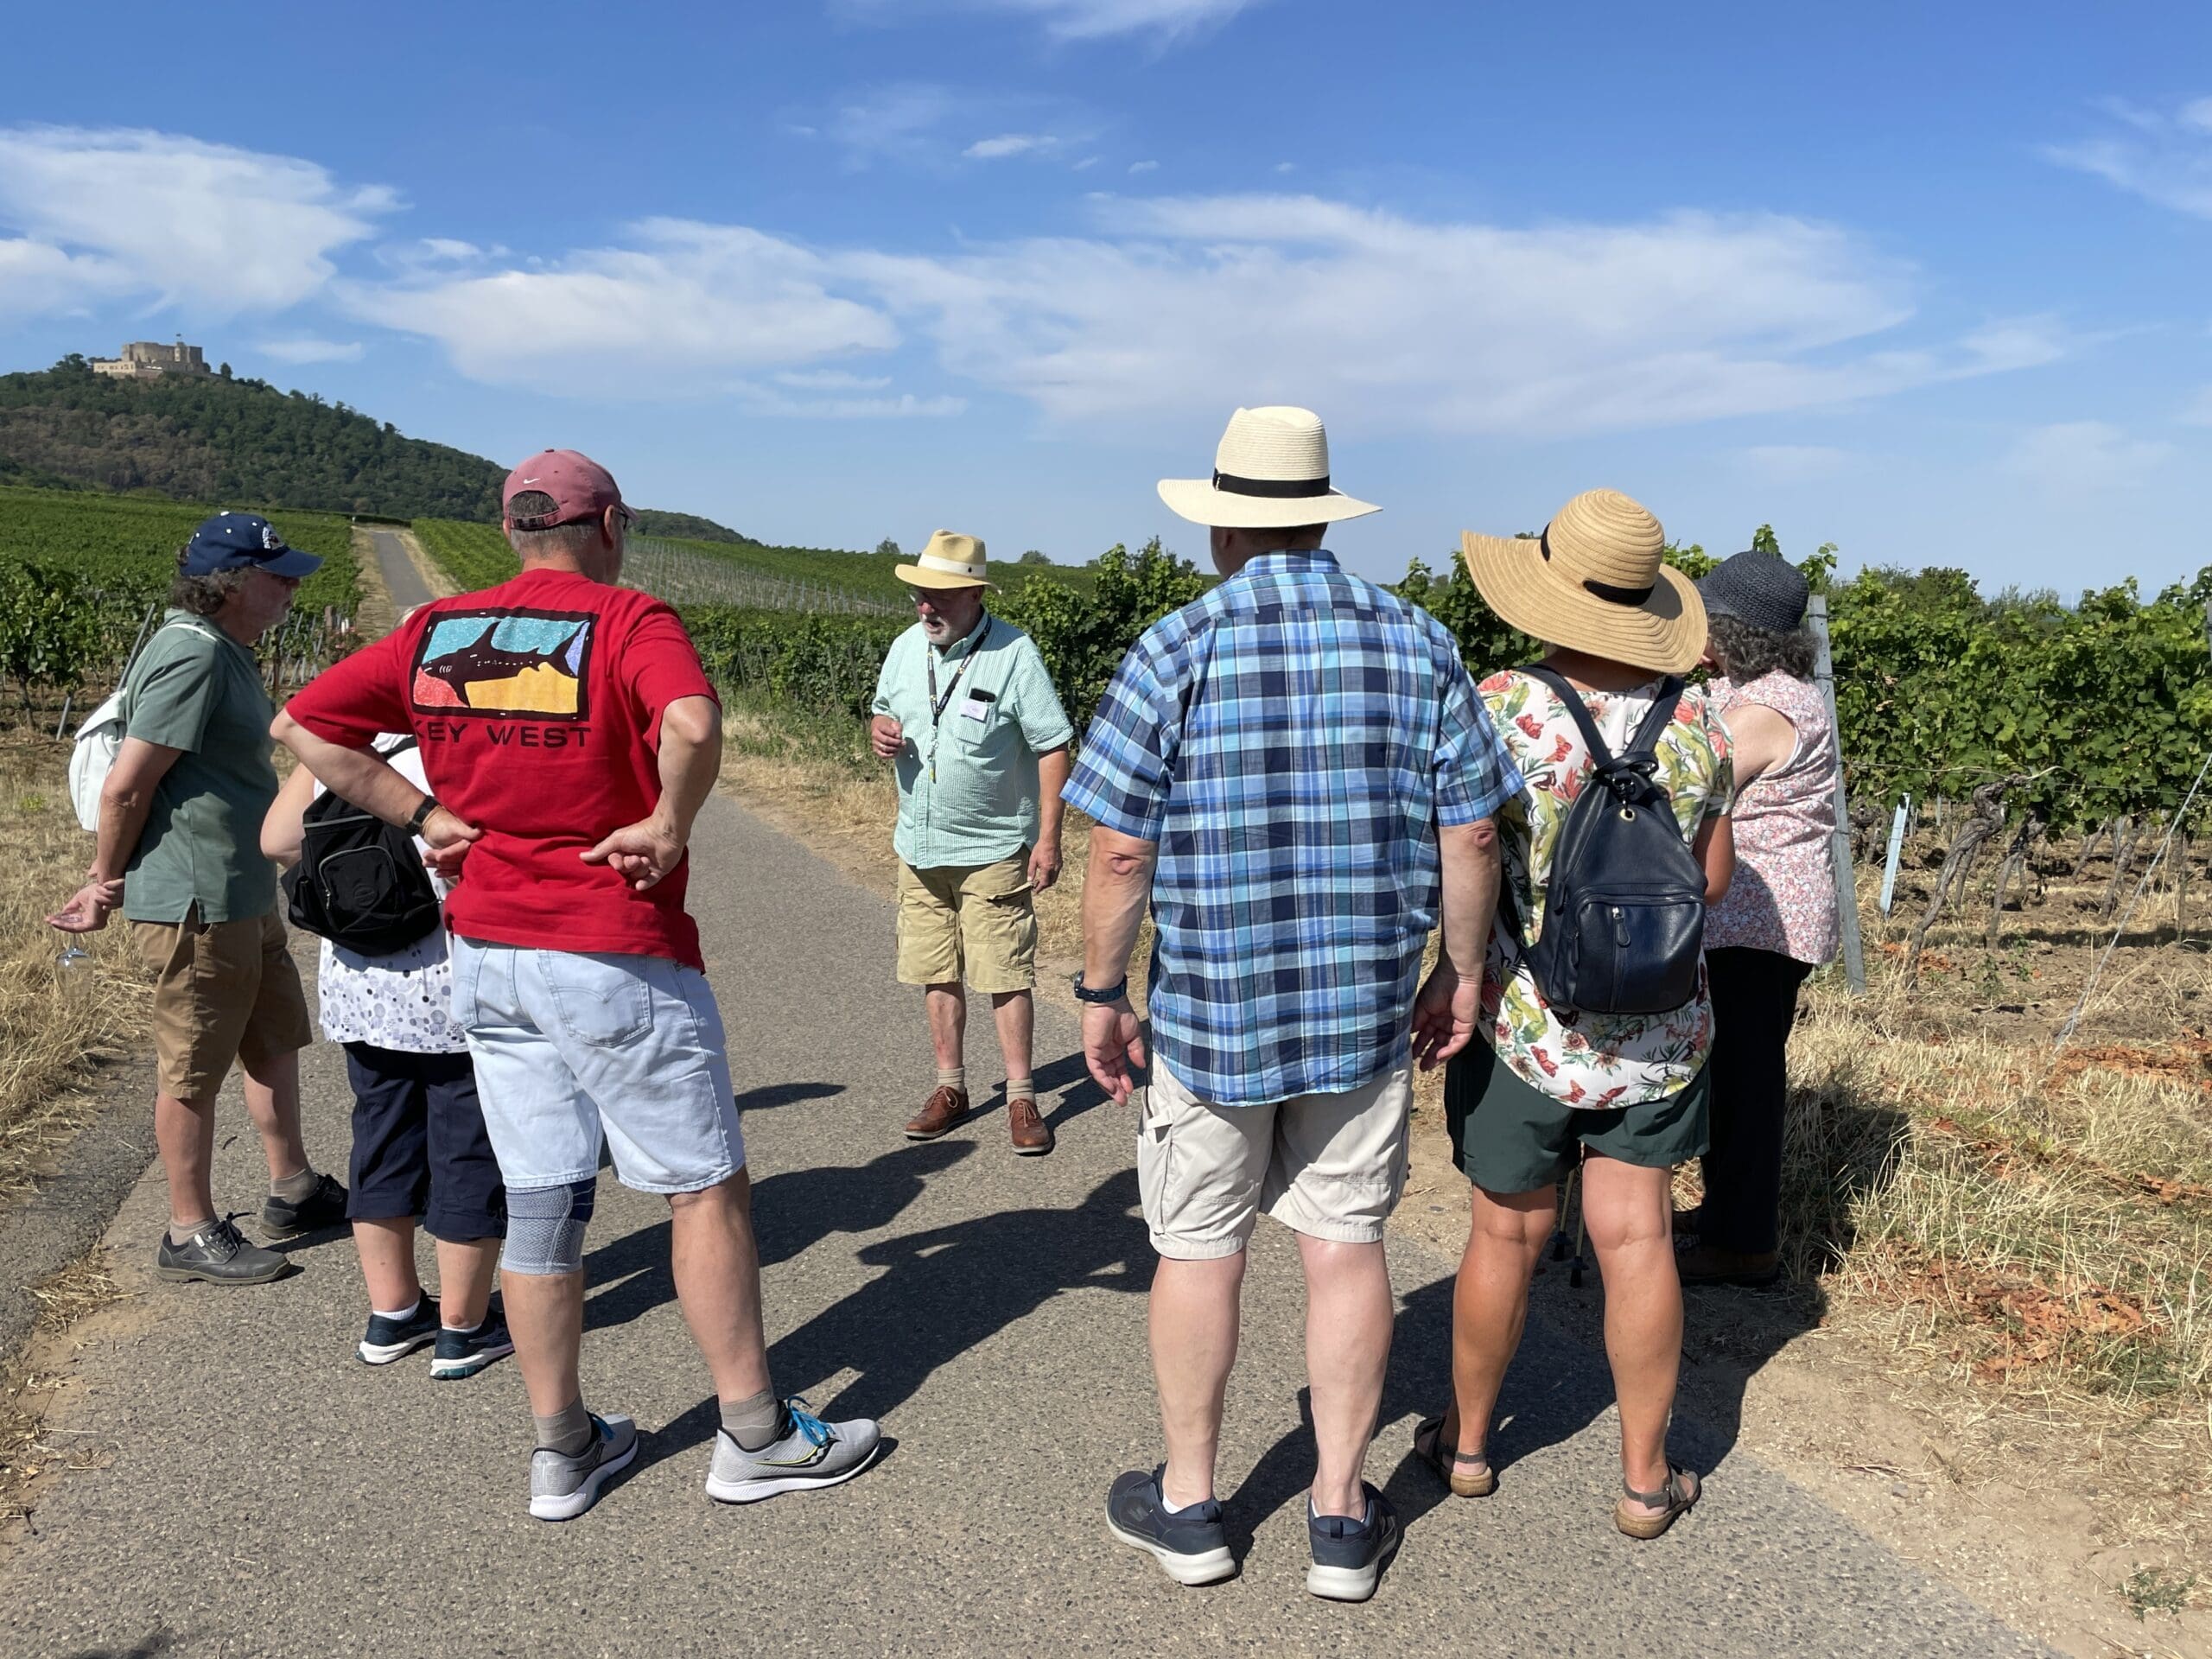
[1329, 1166]
[977, 923]
[223, 991]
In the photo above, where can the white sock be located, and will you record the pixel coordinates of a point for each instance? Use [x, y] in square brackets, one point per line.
[406, 1313]
[463, 1330]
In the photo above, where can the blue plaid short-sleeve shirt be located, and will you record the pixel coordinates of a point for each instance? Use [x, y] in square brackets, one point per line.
[1291, 741]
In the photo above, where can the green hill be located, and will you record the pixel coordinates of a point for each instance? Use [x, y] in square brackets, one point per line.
[215, 438]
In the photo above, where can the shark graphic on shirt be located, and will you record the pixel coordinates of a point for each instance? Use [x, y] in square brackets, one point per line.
[533, 664]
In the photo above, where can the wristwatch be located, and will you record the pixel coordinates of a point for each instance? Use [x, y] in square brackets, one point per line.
[414, 825]
[1103, 994]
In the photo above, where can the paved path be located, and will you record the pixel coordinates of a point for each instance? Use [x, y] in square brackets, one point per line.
[401, 578]
[266, 1494]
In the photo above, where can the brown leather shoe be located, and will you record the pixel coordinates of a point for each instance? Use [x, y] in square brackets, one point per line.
[939, 1113]
[1033, 1136]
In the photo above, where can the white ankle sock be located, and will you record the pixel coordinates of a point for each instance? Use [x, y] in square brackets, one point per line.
[406, 1313]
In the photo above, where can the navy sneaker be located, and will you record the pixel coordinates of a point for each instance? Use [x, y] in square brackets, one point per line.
[1190, 1545]
[386, 1340]
[464, 1353]
[1349, 1554]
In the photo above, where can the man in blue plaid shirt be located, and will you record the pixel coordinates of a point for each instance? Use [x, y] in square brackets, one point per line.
[1297, 775]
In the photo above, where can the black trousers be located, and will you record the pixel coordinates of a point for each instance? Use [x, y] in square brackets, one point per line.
[1754, 1004]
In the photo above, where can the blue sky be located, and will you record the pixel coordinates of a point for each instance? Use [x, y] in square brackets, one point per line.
[1926, 282]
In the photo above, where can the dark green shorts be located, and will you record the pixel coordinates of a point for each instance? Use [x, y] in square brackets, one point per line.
[1507, 1137]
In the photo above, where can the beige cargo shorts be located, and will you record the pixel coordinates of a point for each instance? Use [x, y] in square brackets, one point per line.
[1328, 1165]
[976, 924]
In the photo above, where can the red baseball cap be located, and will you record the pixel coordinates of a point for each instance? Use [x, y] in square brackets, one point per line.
[580, 486]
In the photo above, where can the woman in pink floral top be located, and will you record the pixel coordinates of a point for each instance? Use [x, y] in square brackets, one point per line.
[1621, 1096]
[1778, 922]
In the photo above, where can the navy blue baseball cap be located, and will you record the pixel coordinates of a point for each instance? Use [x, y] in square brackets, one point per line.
[244, 541]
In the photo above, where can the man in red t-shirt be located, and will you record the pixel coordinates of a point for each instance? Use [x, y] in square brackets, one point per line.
[569, 737]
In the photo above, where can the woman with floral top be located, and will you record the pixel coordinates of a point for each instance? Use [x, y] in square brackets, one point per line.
[1623, 1094]
[1778, 922]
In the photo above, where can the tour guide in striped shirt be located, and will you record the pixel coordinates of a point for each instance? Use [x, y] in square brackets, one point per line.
[964, 707]
[1297, 772]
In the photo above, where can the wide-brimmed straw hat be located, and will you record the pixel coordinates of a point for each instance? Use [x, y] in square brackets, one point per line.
[1594, 580]
[949, 561]
[1270, 472]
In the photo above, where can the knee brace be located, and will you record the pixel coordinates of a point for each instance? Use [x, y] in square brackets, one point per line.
[545, 1228]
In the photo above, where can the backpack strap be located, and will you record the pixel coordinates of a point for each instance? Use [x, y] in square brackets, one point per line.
[1642, 748]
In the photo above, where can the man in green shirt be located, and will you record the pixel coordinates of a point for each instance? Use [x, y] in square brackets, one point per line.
[178, 852]
[964, 707]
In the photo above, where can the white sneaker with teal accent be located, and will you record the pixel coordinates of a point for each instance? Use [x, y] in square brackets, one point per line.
[810, 1454]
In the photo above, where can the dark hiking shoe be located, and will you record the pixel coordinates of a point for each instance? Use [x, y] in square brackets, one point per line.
[1349, 1554]
[219, 1254]
[464, 1353]
[1190, 1545]
[563, 1487]
[1708, 1264]
[940, 1112]
[324, 1207]
[386, 1340]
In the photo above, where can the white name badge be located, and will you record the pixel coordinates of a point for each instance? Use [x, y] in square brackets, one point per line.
[973, 708]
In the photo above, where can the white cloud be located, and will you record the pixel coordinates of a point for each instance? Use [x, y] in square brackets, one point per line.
[690, 308]
[2084, 458]
[306, 349]
[1187, 304]
[2166, 160]
[2198, 411]
[895, 122]
[831, 380]
[1144, 167]
[37, 278]
[905, 406]
[1071, 20]
[1009, 144]
[1795, 463]
[1084, 165]
[211, 226]
[1286, 167]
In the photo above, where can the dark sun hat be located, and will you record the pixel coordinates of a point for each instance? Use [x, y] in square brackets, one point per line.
[1760, 589]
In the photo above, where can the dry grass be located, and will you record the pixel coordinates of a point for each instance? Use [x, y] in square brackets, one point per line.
[56, 1022]
[32, 1450]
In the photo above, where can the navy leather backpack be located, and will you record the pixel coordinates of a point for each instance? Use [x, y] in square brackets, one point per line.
[1624, 912]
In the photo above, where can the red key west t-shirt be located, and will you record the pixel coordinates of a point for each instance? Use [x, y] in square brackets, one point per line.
[536, 704]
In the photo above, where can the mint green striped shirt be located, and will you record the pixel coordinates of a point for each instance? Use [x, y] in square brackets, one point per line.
[981, 806]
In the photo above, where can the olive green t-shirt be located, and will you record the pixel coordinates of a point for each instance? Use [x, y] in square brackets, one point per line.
[195, 689]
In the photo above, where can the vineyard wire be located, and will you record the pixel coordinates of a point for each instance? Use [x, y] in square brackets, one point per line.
[2066, 1031]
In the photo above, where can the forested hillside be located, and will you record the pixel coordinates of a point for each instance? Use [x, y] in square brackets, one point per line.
[217, 438]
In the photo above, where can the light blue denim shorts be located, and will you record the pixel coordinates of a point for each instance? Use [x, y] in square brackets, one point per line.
[571, 1046]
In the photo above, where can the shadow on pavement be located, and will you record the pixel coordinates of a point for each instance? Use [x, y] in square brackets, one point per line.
[952, 1288]
[772, 1095]
[791, 1213]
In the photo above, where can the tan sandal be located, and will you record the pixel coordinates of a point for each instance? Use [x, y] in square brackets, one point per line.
[1428, 1447]
[1678, 1496]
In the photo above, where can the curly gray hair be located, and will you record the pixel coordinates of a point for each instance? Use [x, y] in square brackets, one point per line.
[203, 596]
[1747, 653]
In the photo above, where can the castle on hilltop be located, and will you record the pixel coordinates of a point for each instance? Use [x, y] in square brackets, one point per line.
[149, 359]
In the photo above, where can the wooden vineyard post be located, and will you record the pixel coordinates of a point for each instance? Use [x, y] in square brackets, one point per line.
[1847, 888]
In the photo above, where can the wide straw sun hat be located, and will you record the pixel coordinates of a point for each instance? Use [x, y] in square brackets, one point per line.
[949, 561]
[1270, 472]
[1594, 580]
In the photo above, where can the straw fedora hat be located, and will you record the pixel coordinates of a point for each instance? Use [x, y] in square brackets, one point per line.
[1270, 472]
[1594, 582]
[949, 561]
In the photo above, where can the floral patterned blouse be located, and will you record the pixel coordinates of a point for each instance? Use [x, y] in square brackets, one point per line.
[1584, 1059]
[1784, 897]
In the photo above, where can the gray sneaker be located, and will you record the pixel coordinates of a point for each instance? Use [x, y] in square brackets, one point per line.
[562, 1487]
[219, 1254]
[810, 1454]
